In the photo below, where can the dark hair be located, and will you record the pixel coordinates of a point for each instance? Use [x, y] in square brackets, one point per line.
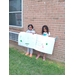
[30, 25]
[46, 27]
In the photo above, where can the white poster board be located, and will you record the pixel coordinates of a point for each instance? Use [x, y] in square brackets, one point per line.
[26, 39]
[38, 42]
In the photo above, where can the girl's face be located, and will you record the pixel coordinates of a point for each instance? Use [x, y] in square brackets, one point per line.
[45, 29]
[30, 27]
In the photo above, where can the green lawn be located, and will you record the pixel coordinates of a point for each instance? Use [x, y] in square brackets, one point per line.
[19, 64]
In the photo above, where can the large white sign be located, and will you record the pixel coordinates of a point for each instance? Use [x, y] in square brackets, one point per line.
[38, 42]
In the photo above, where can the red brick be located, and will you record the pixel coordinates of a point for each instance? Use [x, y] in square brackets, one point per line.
[61, 0]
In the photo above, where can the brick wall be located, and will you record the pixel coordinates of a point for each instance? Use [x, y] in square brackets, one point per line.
[50, 13]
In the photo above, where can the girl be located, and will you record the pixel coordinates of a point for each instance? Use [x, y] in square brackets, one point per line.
[30, 30]
[45, 32]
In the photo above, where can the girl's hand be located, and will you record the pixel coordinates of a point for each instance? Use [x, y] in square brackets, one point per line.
[33, 33]
[49, 36]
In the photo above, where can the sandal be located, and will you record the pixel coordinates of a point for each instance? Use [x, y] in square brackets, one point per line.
[30, 55]
[37, 57]
[27, 54]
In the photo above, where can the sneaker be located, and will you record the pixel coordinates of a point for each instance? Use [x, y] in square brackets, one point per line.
[27, 54]
[37, 57]
[30, 55]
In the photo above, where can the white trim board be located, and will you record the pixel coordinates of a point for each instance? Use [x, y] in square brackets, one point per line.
[13, 32]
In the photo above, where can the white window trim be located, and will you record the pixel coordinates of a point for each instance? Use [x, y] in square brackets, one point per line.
[15, 12]
[21, 17]
[13, 32]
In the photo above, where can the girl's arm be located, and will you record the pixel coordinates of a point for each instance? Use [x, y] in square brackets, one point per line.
[33, 32]
[49, 34]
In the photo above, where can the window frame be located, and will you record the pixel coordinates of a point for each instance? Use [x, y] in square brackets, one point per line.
[21, 16]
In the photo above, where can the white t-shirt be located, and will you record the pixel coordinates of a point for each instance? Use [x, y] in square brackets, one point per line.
[30, 31]
[46, 34]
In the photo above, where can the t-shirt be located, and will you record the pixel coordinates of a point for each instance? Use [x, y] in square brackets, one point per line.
[46, 34]
[30, 31]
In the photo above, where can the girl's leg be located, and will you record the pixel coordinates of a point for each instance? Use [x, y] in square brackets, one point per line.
[37, 55]
[31, 52]
[27, 51]
[44, 57]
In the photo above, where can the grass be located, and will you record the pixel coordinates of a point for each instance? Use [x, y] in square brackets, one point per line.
[19, 64]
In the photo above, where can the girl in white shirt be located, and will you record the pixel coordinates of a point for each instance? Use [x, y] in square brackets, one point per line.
[30, 30]
[45, 32]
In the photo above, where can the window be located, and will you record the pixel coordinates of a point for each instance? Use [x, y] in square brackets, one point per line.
[15, 13]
